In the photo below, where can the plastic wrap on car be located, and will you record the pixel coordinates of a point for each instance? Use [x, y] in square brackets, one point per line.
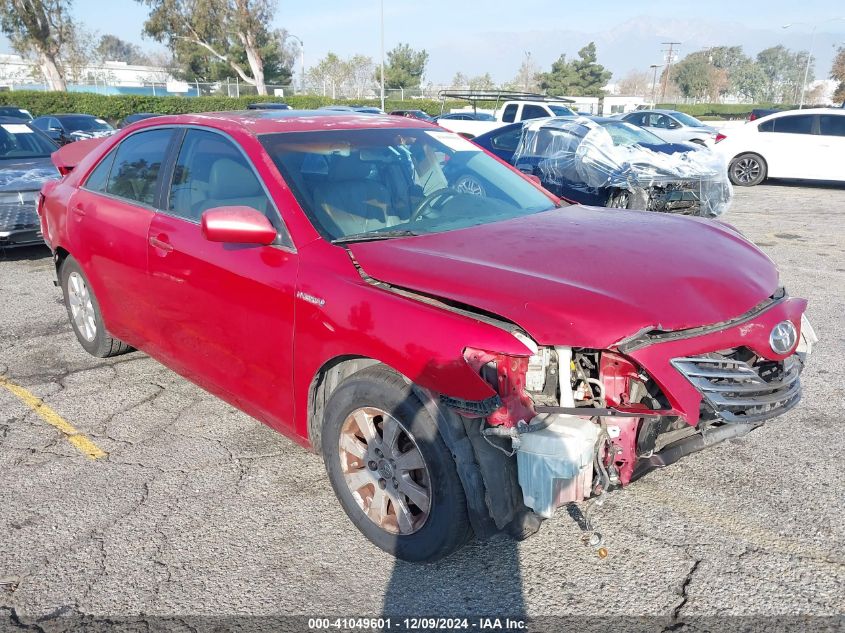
[579, 154]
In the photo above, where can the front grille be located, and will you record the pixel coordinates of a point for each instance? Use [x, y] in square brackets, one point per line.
[740, 387]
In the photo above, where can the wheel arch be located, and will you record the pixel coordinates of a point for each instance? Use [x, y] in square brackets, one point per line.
[323, 384]
[488, 476]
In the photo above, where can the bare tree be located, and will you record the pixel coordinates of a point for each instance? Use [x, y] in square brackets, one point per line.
[328, 75]
[360, 70]
[635, 84]
[227, 30]
[42, 29]
[526, 77]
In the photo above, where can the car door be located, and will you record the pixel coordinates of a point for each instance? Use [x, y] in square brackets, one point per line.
[789, 144]
[224, 311]
[831, 154]
[108, 221]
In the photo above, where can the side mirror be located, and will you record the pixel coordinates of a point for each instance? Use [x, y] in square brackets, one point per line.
[237, 225]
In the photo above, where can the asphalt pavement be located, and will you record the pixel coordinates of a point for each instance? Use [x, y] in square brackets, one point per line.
[198, 510]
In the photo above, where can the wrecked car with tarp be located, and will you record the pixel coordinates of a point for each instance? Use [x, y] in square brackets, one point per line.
[606, 162]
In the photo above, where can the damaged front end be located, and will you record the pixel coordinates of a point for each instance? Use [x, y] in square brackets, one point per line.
[581, 421]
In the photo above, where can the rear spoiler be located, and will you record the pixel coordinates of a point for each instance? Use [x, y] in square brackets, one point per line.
[70, 155]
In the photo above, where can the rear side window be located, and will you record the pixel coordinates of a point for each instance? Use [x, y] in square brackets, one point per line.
[798, 124]
[137, 163]
[832, 125]
[533, 112]
[509, 114]
[98, 179]
[767, 126]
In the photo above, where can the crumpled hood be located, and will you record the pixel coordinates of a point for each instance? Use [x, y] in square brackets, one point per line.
[583, 276]
[26, 174]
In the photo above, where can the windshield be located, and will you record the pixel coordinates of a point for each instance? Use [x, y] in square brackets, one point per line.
[18, 140]
[625, 134]
[561, 111]
[687, 119]
[352, 182]
[85, 124]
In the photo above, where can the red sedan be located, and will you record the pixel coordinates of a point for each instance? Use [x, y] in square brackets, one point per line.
[465, 358]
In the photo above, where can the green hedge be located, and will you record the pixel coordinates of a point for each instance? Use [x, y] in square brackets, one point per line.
[115, 107]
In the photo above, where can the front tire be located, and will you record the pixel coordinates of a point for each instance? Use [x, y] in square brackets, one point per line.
[390, 469]
[83, 310]
[747, 170]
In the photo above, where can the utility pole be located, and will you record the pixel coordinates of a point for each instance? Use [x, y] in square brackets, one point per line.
[671, 46]
[382, 55]
[654, 67]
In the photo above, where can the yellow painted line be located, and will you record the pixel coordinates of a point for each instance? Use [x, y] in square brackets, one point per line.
[43, 411]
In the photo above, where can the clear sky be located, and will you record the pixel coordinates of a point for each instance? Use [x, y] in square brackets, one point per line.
[493, 35]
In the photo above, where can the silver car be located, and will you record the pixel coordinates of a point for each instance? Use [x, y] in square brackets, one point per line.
[673, 126]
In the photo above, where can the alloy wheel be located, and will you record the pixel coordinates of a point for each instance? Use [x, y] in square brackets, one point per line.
[746, 170]
[81, 307]
[385, 471]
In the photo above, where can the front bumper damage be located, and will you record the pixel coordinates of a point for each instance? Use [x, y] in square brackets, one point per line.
[669, 394]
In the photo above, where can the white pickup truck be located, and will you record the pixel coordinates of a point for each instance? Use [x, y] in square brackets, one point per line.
[510, 112]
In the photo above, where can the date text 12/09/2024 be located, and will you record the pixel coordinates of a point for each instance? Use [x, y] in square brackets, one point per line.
[417, 624]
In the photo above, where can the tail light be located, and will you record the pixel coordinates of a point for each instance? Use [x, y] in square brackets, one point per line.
[720, 137]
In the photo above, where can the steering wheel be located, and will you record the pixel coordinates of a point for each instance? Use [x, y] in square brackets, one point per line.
[427, 204]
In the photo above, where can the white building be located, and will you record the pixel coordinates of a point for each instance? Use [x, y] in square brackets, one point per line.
[110, 77]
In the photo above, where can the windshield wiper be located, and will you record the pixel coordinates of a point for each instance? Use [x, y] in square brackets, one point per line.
[369, 236]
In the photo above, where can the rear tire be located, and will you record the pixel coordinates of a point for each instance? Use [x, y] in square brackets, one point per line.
[747, 170]
[83, 310]
[390, 469]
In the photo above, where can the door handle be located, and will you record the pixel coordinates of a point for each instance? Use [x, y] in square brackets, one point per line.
[78, 210]
[160, 244]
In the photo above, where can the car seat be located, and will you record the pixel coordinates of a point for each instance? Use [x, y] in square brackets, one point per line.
[349, 199]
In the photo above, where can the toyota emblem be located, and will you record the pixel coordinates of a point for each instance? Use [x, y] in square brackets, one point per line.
[783, 337]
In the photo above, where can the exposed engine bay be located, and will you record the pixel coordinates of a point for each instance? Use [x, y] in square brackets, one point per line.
[581, 422]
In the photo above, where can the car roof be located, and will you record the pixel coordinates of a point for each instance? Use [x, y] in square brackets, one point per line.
[13, 119]
[780, 113]
[257, 122]
[64, 114]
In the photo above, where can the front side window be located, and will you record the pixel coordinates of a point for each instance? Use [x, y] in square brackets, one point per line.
[365, 181]
[507, 141]
[137, 163]
[211, 172]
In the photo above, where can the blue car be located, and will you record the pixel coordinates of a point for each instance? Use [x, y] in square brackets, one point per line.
[607, 162]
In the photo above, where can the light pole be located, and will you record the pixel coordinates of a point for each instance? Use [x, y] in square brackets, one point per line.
[809, 52]
[382, 55]
[301, 61]
[654, 67]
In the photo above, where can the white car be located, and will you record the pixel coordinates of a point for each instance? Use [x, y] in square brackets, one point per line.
[802, 144]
